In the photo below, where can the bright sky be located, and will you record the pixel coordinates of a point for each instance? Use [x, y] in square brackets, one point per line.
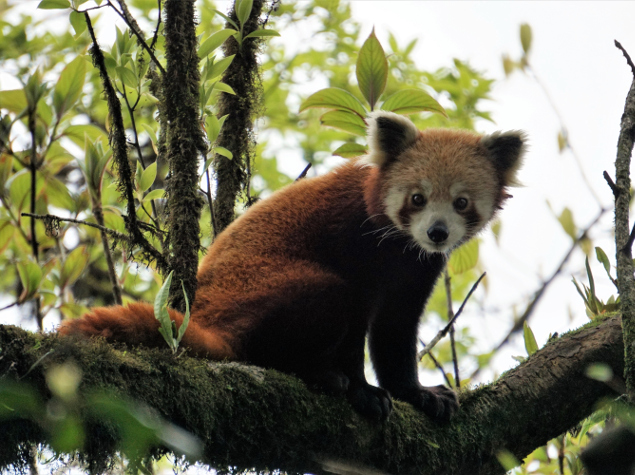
[574, 57]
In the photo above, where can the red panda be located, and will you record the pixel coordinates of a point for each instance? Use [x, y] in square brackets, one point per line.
[300, 280]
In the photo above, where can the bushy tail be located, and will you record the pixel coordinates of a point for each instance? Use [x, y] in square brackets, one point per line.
[136, 325]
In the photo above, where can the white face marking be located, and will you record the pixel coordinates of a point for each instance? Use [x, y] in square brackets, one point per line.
[435, 211]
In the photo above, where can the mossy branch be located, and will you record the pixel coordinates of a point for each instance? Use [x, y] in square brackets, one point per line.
[623, 243]
[185, 144]
[237, 135]
[119, 148]
[254, 419]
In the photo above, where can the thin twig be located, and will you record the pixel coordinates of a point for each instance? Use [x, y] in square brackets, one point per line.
[518, 325]
[446, 329]
[132, 24]
[273, 8]
[626, 55]
[574, 154]
[52, 218]
[304, 172]
[438, 365]
[33, 166]
[448, 293]
[9, 306]
[611, 183]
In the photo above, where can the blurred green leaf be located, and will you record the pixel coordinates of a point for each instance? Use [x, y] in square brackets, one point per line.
[372, 70]
[69, 86]
[74, 264]
[350, 150]
[346, 121]
[220, 66]
[30, 276]
[224, 152]
[334, 98]
[53, 4]
[600, 372]
[127, 77]
[262, 33]
[78, 22]
[214, 41]
[530, 340]
[566, 221]
[148, 177]
[155, 194]
[603, 259]
[464, 258]
[525, 37]
[409, 101]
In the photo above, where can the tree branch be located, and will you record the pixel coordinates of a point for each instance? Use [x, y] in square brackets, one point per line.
[623, 243]
[254, 419]
[120, 156]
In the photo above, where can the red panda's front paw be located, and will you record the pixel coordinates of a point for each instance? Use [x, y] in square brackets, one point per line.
[439, 403]
[370, 401]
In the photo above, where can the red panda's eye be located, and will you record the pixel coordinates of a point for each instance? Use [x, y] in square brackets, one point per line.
[418, 199]
[460, 204]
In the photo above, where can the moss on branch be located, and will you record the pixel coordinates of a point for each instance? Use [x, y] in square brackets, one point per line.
[251, 418]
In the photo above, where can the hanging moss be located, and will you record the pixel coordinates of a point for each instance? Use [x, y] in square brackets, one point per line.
[185, 145]
[237, 134]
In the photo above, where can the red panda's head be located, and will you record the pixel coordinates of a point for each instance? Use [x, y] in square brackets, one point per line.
[440, 186]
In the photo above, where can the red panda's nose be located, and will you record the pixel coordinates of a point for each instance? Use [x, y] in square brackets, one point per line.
[438, 232]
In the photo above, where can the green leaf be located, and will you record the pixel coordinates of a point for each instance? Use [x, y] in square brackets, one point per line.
[219, 67]
[600, 372]
[31, 275]
[409, 101]
[372, 70]
[350, 150]
[224, 152]
[525, 37]
[148, 176]
[226, 18]
[530, 340]
[243, 9]
[13, 100]
[74, 264]
[212, 127]
[214, 41]
[566, 221]
[79, 133]
[161, 312]
[590, 276]
[6, 234]
[334, 98]
[507, 459]
[464, 258]
[54, 4]
[346, 121]
[155, 194]
[127, 77]
[603, 259]
[78, 22]
[186, 316]
[69, 85]
[221, 86]
[262, 33]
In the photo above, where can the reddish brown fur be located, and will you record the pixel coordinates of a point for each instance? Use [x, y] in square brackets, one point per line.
[298, 281]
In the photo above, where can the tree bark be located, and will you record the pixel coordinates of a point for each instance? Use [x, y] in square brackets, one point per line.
[257, 419]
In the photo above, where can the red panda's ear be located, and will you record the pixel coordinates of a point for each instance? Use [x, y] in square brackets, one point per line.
[389, 134]
[506, 150]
